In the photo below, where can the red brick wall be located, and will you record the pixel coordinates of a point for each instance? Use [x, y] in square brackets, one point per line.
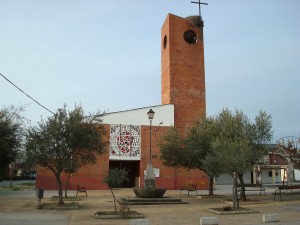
[183, 75]
[277, 160]
[91, 176]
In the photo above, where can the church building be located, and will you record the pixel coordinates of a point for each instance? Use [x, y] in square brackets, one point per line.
[128, 133]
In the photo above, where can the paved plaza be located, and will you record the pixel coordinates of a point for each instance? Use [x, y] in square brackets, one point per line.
[20, 207]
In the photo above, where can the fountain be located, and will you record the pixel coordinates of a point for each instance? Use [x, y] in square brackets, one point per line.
[149, 190]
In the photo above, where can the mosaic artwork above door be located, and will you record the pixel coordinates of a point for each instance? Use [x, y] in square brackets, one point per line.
[125, 142]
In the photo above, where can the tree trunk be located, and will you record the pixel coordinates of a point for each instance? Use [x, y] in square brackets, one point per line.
[10, 177]
[235, 199]
[60, 192]
[211, 186]
[114, 198]
[67, 184]
[243, 193]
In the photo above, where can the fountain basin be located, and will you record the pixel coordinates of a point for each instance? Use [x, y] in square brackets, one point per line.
[149, 192]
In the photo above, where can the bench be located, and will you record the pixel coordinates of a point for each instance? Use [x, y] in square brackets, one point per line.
[252, 187]
[188, 188]
[284, 187]
[80, 190]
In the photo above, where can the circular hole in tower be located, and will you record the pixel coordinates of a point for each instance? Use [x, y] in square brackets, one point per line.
[165, 41]
[190, 37]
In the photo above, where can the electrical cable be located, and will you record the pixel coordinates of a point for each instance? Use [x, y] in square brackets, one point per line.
[26, 94]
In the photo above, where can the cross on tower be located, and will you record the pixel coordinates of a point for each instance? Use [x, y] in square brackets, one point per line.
[199, 3]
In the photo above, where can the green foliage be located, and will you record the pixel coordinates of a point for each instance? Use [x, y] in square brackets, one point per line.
[263, 128]
[232, 156]
[11, 134]
[240, 142]
[227, 143]
[64, 139]
[169, 144]
[211, 165]
[188, 151]
[198, 144]
[116, 177]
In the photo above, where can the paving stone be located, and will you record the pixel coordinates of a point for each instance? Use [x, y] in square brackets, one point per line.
[271, 217]
[139, 222]
[209, 221]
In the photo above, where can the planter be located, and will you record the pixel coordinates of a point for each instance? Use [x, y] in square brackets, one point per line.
[55, 198]
[221, 211]
[118, 215]
[68, 206]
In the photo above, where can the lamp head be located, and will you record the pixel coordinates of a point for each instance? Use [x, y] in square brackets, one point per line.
[150, 114]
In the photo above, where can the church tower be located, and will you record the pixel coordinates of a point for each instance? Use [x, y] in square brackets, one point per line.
[183, 75]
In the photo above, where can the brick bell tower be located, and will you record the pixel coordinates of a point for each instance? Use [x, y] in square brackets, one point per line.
[183, 75]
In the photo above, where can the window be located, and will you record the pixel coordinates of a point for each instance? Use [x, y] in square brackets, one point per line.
[190, 37]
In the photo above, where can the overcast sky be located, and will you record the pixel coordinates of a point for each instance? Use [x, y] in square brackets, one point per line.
[105, 54]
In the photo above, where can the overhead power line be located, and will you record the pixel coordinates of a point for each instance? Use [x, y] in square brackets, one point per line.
[26, 94]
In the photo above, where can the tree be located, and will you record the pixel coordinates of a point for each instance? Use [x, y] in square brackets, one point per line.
[199, 148]
[245, 140]
[289, 149]
[11, 134]
[198, 144]
[114, 179]
[65, 136]
[191, 150]
[232, 157]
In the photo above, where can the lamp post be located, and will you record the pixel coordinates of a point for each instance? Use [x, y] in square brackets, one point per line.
[150, 176]
[150, 116]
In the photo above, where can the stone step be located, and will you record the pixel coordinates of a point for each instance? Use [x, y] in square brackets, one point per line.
[152, 201]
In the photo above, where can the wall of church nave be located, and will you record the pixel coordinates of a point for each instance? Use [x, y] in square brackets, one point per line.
[90, 176]
[195, 176]
[89, 182]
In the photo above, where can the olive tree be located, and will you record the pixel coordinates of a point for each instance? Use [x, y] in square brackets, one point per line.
[241, 142]
[63, 137]
[114, 179]
[202, 145]
[190, 151]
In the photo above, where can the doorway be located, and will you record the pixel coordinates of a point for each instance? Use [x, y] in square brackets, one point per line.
[133, 168]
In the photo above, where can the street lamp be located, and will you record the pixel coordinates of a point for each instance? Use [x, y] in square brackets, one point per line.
[150, 116]
[150, 176]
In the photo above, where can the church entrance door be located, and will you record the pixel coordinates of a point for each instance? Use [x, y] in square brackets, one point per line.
[133, 168]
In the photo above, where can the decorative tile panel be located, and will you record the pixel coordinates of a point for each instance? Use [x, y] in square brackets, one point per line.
[125, 141]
